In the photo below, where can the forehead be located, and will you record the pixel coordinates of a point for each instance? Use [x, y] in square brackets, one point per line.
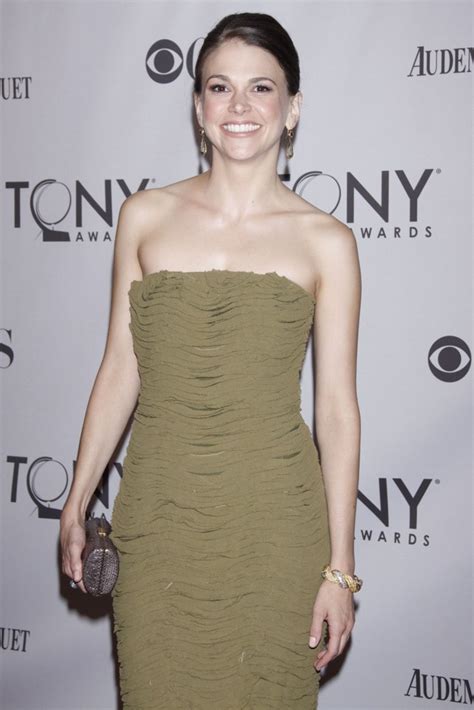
[239, 60]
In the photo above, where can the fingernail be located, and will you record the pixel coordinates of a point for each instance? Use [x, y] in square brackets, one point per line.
[312, 641]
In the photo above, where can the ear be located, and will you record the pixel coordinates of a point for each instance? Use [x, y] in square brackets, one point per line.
[294, 110]
[198, 107]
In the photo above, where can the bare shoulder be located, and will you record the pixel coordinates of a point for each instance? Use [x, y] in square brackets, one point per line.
[317, 226]
[139, 213]
[332, 247]
[142, 205]
[323, 231]
[148, 207]
[326, 232]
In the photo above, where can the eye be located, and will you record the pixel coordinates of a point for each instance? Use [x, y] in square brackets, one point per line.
[216, 88]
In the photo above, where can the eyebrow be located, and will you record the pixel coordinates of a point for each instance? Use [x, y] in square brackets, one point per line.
[255, 78]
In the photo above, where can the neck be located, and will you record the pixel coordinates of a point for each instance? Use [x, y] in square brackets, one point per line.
[242, 188]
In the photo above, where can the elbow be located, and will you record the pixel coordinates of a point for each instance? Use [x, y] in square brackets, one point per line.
[338, 415]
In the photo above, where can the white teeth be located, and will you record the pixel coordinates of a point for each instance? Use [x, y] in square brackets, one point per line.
[240, 128]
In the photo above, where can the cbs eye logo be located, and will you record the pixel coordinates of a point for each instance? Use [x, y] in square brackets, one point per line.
[165, 60]
[449, 358]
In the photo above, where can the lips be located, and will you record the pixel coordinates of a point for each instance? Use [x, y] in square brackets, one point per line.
[241, 128]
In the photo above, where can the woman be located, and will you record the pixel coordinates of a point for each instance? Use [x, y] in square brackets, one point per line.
[223, 519]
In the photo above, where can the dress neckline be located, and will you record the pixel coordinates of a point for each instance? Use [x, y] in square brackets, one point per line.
[224, 272]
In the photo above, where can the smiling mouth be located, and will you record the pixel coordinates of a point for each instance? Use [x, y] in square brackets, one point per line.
[240, 128]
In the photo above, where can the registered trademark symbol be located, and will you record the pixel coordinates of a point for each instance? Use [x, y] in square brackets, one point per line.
[436, 480]
[438, 170]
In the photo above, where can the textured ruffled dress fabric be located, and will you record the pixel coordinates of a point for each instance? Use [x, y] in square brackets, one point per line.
[220, 519]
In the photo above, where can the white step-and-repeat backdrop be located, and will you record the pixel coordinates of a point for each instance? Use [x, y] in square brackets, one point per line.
[96, 104]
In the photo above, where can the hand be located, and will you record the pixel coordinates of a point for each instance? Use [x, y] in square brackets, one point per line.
[336, 605]
[73, 540]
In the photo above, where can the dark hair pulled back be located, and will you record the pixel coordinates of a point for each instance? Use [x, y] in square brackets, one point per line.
[260, 30]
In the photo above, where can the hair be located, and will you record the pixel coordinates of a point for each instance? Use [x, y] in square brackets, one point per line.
[260, 30]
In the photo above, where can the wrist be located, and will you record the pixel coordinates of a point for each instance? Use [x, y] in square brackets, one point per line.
[346, 566]
[341, 577]
[72, 513]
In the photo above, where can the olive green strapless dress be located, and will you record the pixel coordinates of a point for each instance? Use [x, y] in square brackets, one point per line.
[220, 519]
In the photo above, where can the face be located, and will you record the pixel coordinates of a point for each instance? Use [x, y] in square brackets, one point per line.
[244, 105]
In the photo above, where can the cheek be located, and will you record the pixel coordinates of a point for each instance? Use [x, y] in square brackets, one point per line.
[272, 111]
[272, 108]
[212, 108]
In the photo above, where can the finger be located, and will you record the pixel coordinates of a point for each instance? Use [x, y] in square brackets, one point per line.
[75, 552]
[331, 650]
[67, 567]
[321, 653]
[76, 573]
[82, 587]
[315, 630]
[78, 584]
[71, 556]
[342, 642]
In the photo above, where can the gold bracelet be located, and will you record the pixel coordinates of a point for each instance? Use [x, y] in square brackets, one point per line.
[346, 581]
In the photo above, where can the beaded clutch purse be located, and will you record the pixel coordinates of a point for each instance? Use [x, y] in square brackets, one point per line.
[100, 562]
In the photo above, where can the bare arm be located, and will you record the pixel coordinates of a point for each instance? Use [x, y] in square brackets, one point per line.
[336, 406]
[336, 328]
[114, 392]
[116, 385]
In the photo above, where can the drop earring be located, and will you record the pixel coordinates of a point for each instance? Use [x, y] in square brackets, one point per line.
[203, 146]
[289, 142]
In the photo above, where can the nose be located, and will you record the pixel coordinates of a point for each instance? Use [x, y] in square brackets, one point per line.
[239, 102]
